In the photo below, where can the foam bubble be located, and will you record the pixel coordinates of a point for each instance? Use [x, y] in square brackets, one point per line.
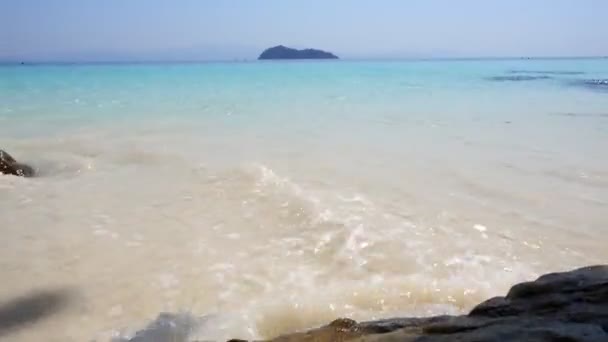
[480, 228]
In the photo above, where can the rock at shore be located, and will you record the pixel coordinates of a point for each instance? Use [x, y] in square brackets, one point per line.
[566, 307]
[9, 166]
[282, 52]
[570, 306]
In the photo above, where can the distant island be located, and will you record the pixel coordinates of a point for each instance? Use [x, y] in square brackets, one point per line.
[283, 52]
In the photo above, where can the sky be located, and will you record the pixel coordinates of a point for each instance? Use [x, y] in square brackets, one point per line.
[158, 30]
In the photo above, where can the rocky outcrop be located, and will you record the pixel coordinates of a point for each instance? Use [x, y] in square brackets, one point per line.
[565, 307]
[282, 52]
[570, 306]
[9, 166]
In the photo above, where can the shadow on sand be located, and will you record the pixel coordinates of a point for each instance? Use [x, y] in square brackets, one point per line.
[32, 308]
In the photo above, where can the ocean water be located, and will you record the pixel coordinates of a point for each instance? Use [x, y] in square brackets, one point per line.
[254, 199]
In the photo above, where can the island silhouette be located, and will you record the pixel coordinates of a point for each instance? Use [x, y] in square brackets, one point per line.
[283, 52]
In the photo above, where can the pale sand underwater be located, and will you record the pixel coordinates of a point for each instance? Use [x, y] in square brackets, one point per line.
[263, 198]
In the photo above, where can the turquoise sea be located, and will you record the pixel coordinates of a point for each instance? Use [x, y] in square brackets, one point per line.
[259, 198]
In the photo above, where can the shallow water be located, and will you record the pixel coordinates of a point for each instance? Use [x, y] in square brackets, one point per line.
[262, 198]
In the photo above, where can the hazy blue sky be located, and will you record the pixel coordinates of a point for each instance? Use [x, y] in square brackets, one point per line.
[226, 29]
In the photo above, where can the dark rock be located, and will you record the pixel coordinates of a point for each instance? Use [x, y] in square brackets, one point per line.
[570, 306]
[9, 166]
[6, 158]
[565, 307]
[282, 52]
[23, 170]
[516, 78]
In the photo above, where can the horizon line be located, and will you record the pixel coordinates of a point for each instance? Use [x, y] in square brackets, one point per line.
[26, 61]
